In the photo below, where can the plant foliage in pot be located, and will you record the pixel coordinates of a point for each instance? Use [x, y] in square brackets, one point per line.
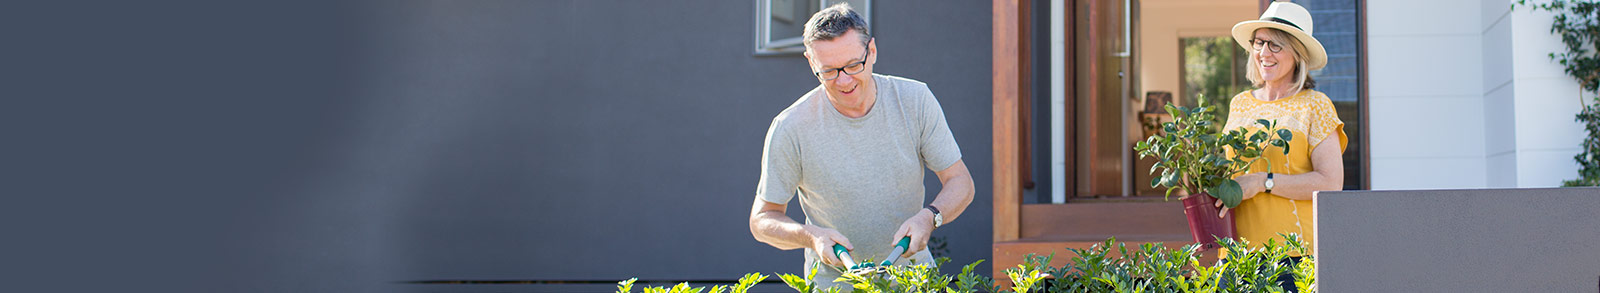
[1193, 158]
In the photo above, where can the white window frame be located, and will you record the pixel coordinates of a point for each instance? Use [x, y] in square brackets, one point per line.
[765, 45]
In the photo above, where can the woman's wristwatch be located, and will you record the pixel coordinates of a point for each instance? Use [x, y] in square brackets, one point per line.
[1269, 182]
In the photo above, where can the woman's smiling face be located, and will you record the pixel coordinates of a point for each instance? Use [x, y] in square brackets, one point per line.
[1274, 66]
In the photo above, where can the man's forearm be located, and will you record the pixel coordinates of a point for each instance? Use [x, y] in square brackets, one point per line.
[954, 196]
[777, 229]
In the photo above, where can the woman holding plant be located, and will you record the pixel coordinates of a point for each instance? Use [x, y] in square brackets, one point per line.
[1269, 157]
[1278, 189]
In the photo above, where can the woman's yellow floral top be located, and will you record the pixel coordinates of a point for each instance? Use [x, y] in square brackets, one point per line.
[1311, 117]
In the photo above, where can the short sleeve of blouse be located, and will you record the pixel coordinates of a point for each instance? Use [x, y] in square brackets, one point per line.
[1325, 124]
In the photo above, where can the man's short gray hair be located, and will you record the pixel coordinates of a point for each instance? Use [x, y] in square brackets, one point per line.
[833, 22]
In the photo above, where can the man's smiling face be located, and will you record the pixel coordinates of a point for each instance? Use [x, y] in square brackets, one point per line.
[845, 52]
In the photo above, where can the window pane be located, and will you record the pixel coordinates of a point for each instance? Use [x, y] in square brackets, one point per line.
[789, 17]
[1214, 67]
[1336, 22]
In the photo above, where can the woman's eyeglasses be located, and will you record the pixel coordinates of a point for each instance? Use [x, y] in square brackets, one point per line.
[1270, 45]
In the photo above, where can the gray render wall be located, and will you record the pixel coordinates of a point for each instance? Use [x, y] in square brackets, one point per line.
[598, 140]
[1487, 240]
[355, 146]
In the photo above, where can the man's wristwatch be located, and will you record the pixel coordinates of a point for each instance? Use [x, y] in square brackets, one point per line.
[1269, 182]
[938, 220]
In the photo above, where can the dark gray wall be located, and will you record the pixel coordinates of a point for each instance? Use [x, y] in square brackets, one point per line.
[1491, 240]
[348, 146]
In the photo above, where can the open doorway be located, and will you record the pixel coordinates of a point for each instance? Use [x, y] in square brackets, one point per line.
[1108, 58]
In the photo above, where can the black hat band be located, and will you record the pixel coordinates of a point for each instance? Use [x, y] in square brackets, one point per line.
[1285, 21]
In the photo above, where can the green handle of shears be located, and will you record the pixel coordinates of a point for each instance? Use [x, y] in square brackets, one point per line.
[899, 248]
[844, 255]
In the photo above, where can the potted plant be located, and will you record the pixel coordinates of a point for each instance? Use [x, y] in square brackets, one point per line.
[1193, 160]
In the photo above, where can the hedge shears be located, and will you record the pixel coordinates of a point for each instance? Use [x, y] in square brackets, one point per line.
[869, 268]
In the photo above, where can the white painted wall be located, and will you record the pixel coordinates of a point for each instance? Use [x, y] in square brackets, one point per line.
[1426, 109]
[1498, 90]
[1467, 97]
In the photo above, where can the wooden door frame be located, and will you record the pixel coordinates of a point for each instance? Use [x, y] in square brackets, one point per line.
[1007, 140]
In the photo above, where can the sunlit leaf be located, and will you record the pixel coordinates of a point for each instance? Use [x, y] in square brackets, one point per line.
[1228, 192]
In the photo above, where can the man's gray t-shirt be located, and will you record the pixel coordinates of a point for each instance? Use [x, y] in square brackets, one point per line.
[860, 176]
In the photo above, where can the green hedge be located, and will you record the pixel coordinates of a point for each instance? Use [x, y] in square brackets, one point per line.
[1146, 268]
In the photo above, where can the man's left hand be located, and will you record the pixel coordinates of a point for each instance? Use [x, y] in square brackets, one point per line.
[919, 227]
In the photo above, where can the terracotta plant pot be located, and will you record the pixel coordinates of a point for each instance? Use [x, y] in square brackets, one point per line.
[1204, 225]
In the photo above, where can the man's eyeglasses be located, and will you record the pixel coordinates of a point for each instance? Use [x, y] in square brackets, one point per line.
[852, 68]
[1270, 45]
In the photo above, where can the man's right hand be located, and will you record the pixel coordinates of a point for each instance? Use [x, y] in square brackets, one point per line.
[822, 240]
[769, 225]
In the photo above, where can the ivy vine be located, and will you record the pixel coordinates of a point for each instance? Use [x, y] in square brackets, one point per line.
[1578, 24]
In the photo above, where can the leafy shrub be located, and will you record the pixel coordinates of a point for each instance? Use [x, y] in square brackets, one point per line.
[1146, 268]
[1155, 268]
[749, 280]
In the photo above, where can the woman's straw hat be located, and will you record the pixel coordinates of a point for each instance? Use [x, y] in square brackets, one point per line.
[1288, 17]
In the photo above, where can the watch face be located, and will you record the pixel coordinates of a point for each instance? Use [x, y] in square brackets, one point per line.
[1269, 183]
